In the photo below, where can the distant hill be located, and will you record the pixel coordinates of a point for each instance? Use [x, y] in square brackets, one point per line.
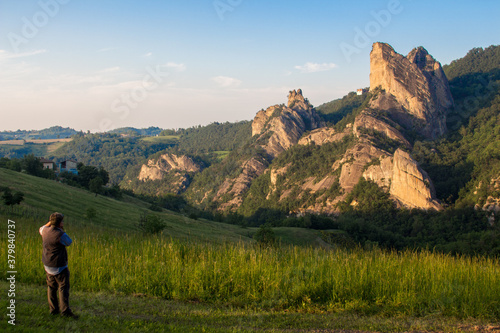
[477, 60]
[150, 131]
[55, 132]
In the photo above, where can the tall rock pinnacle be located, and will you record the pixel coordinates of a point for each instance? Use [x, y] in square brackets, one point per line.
[418, 84]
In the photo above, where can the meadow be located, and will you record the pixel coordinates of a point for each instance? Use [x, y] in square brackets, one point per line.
[219, 270]
[286, 277]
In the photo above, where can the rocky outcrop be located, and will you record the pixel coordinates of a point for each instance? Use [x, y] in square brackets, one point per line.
[418, 84]
[407, 94]
[285, 125]
[156, 169]
[410, 185]
[366, 121]
[232, 190]
[354, 163]
[277, 129]
[324, 135]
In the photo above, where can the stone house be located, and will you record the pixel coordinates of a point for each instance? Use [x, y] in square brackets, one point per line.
[69, 166]
[48, 164]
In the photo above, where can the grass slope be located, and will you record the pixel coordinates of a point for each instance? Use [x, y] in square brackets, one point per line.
[42, 197]
[208, 278]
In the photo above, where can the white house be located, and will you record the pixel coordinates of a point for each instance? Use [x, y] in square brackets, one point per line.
[47, 164]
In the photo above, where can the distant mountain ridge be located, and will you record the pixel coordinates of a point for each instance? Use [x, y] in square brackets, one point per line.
[54, 132]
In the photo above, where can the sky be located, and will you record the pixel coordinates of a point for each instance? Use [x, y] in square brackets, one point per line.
[103, 64]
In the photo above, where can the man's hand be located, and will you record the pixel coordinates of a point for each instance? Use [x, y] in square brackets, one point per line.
[48, 224]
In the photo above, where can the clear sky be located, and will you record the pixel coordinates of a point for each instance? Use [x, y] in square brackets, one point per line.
[102, 64]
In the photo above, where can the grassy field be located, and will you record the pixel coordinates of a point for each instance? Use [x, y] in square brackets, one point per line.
[161, 139]
[199, 274]
[222, 154]
[289, 277]
[37, 147]
[112, 312]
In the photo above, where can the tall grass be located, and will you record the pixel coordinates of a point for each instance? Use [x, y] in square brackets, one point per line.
[410, 283]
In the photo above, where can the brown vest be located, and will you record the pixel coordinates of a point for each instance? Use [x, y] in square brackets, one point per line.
[54, 253]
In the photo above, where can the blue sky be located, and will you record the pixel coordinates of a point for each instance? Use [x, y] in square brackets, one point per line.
[97, 65]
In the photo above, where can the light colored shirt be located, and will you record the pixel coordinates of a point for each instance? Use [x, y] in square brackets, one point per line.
[66, 241]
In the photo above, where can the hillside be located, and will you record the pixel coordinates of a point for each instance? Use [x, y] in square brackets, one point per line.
[42, 197]
[425, 142]
[464, 166]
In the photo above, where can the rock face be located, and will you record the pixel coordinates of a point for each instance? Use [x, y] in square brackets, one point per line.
[410, 184]
[285, 124]
[366, 121]
[168, 173]
[156, 170]
[277, 129]
[235, 188]
[418, 84]
[407, 93]
[324, 135]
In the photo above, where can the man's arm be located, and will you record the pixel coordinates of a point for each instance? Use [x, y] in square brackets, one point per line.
[65, 240]
[43, 226]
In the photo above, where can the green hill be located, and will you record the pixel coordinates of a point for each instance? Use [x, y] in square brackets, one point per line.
[42, 197]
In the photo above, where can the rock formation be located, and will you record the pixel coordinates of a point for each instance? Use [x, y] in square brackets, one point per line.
[235, 188]
[285, 124]
[418, 84]
[277, 129]
[324, 135]
[156, 169]
[407, 94]
[410, 184]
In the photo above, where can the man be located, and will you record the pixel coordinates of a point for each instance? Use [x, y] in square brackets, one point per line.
[55, 261]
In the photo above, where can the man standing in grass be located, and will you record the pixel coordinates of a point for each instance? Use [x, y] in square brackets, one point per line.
[55, 261]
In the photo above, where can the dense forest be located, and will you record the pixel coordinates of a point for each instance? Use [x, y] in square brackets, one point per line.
[216, 137]
[113, 152]
[336, 110]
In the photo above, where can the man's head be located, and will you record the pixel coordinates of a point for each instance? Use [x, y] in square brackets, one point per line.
[56, 219]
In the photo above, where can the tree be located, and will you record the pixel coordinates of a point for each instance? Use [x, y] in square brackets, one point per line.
[104, 175]
[95, 185]
[32, 165]
[11, 199]
[265, 235]
[151, 224]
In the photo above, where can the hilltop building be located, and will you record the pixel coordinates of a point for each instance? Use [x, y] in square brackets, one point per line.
[362, 91]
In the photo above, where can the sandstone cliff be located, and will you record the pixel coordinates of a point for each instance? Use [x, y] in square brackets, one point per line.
[407, 94]
[412, 93]
[418, 84]
[325, 135]
[285, 124]
[276, 130]
[156, 169]
[169, 173]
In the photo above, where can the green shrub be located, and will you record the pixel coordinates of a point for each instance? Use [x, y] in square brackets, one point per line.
[151, 224]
